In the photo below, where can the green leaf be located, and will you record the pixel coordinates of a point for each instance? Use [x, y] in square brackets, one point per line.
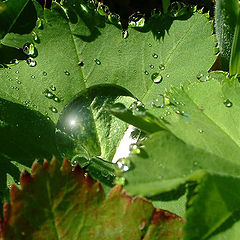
[210, 113]
[165, 163]
[18, 16]
[61, 204]
[213, 208]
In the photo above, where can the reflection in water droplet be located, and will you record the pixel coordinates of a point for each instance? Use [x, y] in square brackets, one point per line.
[123, 164]
[30, 50]
[156, 77]
[149, 44]
[151, 66]
[201, 131]
[97, 61]
[167, 75]
[67, 73]
[31, 62]
[124, 34]
[102, 9]
[227, 103]
[162, 67]
[33, 77]
[146, 72]
[44, 73]
[53, 109]
[155, 55]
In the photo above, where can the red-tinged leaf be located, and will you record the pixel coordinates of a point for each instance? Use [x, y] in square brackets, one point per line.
[61, 203]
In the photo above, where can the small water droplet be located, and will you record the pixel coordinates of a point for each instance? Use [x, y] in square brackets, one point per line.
[123, 164]
[33, 77]
[17, 72]
[44, 73]
[124, 34]
[48, 94]
[199, 76]
[119, 181]
[53, 109]
[102, 9]
[80, 63]
[167, 75]
[97, 61]
[156, 77]
[149, 44]
[155, 55]
[39, 23]
[146, 72]
[227, 103]
[18, 82]
[67, 73]
[30, 50]
[201, 131]
[56, 99]
[53, 88]
[195, 163]
[35, 37]
[151, 66]
[162, 67]
[16, 88]
[31, 62]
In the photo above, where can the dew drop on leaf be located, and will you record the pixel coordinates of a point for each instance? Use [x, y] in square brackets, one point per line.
[162, 67]
[80, 63]
[151, 66]
[149, 44]
[167, 75]
[33, 77]
[30, 50]
[157, 78]
[48, 94]
[53, 88]
[119, 181]
[227, 103]
[39, 23]
[56, 99]
[67, 73]
[102, 9]
[44, 73]
[146, 72]
[124, 34]
[155, 55]
[17, 72]
[123, 164]
[35, 37]
[136, 20]
[201, 131]
[199, 76]
[97, 61]
[31, 62]
[53, 109]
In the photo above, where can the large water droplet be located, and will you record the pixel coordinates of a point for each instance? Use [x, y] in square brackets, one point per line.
[123, 164]
[97, 61]
[156, 77]
[56, 99]
[31, 62]
[124, 34]
[30, 50]
[227, 103]
[81, 120]
[114, 19]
